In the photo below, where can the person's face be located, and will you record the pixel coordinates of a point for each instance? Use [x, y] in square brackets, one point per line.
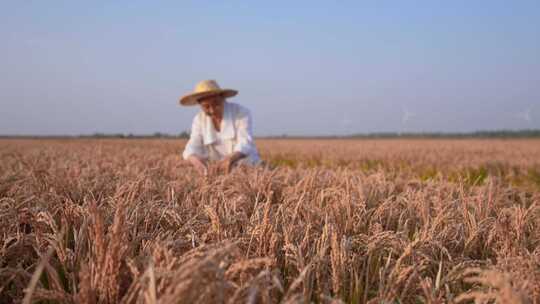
[212, 105]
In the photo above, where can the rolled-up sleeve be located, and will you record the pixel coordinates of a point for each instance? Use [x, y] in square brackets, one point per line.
[244, 129]
[195, 144]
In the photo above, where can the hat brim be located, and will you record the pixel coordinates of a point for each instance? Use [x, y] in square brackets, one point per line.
[192, 99]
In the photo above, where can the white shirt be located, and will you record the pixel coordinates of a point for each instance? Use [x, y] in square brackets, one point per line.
[235, 135]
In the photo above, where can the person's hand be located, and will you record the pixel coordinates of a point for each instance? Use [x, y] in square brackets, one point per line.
[226, 165]
[199, 164]
[203, 170]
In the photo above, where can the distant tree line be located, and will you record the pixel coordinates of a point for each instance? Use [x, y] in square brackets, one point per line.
[183, 134]
[529, 133]
[476, 134]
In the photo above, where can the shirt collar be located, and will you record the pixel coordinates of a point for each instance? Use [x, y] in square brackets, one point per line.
[210, 135]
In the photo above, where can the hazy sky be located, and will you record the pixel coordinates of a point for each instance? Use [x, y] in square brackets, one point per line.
[302, 67]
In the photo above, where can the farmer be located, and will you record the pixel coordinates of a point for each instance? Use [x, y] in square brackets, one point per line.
[221, 131]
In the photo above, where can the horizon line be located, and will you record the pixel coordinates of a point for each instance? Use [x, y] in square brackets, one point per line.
[379, 134]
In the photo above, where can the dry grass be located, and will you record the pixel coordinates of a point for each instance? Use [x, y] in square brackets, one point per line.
[370, 221]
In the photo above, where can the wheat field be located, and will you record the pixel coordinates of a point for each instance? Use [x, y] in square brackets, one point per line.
[325, 221]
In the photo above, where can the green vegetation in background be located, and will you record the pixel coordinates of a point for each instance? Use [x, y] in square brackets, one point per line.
[468, 176]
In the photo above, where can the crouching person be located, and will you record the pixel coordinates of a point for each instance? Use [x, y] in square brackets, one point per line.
[221, 132]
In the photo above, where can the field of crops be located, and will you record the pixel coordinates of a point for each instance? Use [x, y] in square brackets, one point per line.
[325, 221]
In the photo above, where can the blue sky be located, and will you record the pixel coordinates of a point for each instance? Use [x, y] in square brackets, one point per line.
[302, 68]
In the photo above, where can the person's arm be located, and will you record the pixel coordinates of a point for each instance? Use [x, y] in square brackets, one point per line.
[195, 152]
[245, 144]
[244, 133]
[198, 163]
[230, 161]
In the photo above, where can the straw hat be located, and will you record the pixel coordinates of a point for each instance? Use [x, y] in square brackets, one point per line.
[205, 88]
